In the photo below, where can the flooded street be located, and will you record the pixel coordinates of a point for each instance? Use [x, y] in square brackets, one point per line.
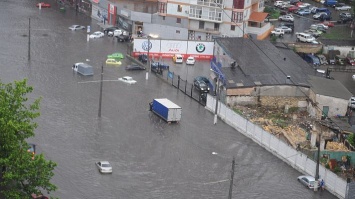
[150, 158]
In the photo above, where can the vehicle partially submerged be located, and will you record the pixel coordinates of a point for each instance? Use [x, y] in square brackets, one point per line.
[83, 69]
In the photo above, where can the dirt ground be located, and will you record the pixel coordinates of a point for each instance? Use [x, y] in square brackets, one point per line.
[293, 126]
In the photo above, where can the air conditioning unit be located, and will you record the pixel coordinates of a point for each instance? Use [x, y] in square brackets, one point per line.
[186, 11]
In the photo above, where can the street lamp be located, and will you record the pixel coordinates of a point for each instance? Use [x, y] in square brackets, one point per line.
[149, 45]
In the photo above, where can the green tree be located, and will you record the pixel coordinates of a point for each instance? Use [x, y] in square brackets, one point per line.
[21, 174]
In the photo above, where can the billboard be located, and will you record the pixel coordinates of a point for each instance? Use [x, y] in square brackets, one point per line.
[167, 48]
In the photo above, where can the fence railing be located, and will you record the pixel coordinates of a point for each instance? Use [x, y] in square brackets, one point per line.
[273, 144]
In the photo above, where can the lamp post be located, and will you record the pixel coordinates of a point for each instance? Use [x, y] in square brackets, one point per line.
[149, 45]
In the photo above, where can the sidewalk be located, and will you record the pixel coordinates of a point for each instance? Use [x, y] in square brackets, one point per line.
[103, 26]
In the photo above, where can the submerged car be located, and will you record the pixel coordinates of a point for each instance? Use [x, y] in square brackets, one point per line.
[113, 62]
[308, 181]
[76, 27]
[127, 79]
[96, 34]
[116, 56]
[135, 67]
[104, 166]
[43, 5]
[190, 61]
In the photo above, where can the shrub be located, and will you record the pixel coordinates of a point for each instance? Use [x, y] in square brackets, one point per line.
[351, 139]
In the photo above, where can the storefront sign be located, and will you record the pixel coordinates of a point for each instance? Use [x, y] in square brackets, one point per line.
[112, 9]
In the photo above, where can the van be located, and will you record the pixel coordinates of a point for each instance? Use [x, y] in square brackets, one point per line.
[330, 2]
[178, 58]
[312, 59]
[326, 10]
[278, 3]
[83, 69]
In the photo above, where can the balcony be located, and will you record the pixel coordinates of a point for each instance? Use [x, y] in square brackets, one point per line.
[206, 30]
[213, 15]
[211, 3]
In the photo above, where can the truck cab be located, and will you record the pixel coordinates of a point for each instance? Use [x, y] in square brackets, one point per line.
[350, 58]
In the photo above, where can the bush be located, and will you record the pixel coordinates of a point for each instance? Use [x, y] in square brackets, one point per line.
[351, 139]
[337, 170]
[273, 13]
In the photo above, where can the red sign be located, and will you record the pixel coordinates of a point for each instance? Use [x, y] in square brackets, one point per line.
[170, 55]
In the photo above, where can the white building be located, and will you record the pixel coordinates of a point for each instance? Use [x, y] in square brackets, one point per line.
[204, 19]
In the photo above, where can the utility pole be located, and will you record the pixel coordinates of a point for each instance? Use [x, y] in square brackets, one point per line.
[100, 100]
[29, 39]
[317, 167]
[231, 181]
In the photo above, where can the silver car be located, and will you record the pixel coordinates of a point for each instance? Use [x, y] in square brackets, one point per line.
[76, 27]
[104, 167]
[308, 181]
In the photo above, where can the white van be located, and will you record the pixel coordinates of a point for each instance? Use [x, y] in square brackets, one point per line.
[83, 69]
[178, 58]
[117, 33]
[278, 3]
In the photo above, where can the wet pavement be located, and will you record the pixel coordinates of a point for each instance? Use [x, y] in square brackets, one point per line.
[150, 158]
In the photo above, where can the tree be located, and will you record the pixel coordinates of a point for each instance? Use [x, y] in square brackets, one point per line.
[21, 175]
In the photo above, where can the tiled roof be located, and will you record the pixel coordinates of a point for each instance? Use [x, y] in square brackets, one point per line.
[258, 16]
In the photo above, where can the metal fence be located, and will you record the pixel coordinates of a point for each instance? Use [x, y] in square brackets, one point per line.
[335, 184]
[183, 85]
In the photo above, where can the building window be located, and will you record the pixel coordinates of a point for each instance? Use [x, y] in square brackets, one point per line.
[237, 17]
[216, 26]
[162, 7]
[163, 17]
[178, 31]
[201, 25]
[178, 20]
[199, 37]
[238, 4]
[179, 9]
[233, 27]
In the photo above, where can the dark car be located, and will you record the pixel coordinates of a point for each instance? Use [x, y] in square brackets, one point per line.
[135, 67]
[143, 58]
[123, 38]
[205, 79]
[344, 19]
[325, 17]
[201, 86]
[106, 30]
[158, 67]
[288, 24]
[338, 5]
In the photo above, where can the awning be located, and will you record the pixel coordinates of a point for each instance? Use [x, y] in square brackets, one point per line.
[258, 16]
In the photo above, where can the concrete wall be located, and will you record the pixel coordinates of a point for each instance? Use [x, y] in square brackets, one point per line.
[167, 32]
[344, 50]
[336, 106]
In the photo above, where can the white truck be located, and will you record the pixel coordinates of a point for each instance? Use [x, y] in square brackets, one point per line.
[278, 32]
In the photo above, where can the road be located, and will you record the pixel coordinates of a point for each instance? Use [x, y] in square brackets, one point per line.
[150, 158]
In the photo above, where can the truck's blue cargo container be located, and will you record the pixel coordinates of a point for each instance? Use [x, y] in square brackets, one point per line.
[166, 109]
[330, 2]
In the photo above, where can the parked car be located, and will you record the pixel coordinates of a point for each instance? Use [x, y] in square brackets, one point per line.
[288, 24]
[351, 103]
[309, 58]
[135, 67]
[347, 8]
[39, 196]
[110, 29]
[278, 32]
[43, 5]
[143, 58]
[116, 56]
[293, 8]
[76, 27]
[322, 59]
[326, 27]
[123, 38]
[308, 181]
[318, 27]
[318, 15]
[344, 20]
[285, 29]
[112, 62]
[339, 59]
[339, 5]
[314, 32]
[328, 23]
[304, 37]
[345, 14]
[205, 79]
[278, 3]
[325, 17]
[190, 61]
[104, 166]
[127, 79]
[304, 12]
[117, 32]
[96, 34]
[177, 58]
[201, 86]
[285, 6]
[286, 18]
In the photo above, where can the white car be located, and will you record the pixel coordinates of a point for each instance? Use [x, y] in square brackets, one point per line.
[76, 27]
[190, 61]
[117, 33]
[286, 18]
[323, 25]
[97, 34]
[308, 181]
[127, 79]
[104, 166]
[343, 8]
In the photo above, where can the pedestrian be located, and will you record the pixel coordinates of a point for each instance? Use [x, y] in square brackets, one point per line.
[322, 184]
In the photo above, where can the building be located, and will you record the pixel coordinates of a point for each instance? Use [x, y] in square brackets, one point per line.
[186, 19]
[254, 72]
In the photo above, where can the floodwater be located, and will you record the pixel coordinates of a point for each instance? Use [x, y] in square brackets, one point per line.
[150, 158]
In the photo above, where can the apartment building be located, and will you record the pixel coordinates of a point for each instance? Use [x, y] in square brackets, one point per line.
[191, 19]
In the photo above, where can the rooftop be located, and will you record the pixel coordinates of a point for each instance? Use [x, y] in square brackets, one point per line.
[334, 88]
[259, 62]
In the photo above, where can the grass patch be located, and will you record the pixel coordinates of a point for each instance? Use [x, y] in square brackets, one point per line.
[238, 111]
[339, 32]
